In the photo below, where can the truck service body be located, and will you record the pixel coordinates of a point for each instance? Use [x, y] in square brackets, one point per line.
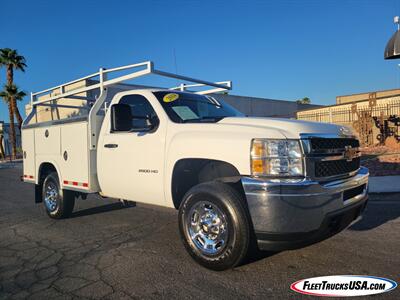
[237, 181]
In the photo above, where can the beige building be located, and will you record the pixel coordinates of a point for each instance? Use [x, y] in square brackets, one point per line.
[357, 111]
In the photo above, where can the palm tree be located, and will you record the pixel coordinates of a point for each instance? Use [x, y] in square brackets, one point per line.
[11, 94]
[2, 153]
[10, 59]
[16, 95]
[305, 100]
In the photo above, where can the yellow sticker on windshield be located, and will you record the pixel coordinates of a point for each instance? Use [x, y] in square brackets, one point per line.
[170, 97]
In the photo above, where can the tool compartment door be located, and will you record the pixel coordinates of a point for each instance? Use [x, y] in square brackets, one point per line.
[47, 140]
[28, 150]
[74, 160]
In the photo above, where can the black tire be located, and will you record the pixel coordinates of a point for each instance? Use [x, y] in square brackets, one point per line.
[61, 204]
[229, 204]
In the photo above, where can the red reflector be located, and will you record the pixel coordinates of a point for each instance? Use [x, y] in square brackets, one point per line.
[65, 181]
[31, 177]
[74, 183]
[85, 185]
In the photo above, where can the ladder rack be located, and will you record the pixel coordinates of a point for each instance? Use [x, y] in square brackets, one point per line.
[103, 83]
[94, 117]
[183, 87]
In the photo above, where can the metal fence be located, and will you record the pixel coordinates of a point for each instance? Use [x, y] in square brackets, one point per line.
[349, 115]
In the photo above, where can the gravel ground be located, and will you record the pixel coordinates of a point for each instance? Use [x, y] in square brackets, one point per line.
[381, 161]
[111, 252]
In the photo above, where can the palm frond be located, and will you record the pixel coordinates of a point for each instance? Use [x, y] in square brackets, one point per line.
[11, 57]
[20, 95]
[5, 96]
[11, 91]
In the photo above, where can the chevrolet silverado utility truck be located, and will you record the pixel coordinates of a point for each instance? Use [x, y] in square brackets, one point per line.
[237, 181]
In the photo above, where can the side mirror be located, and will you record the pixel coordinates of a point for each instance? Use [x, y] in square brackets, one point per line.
[121, 117]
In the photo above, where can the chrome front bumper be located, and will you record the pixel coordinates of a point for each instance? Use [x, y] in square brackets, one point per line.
[293, 207]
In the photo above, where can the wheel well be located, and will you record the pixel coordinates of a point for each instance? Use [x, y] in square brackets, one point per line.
[192, 171]
[44, 170]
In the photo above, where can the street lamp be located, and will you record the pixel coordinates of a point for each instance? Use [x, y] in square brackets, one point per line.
[392, 50]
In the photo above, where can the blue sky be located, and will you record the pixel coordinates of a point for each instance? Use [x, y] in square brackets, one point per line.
[274, 49]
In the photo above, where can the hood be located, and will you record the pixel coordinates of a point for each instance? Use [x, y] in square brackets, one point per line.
[290, 128]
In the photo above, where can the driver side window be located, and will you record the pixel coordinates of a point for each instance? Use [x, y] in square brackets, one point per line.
[140, 109]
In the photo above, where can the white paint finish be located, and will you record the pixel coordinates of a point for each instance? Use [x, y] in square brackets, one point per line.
[50, 144]
[74, 141]
[224, 142]
[48, 158]
[93, 179]
[71, 137]
[290, 128]
[118, 168]
[28, 147]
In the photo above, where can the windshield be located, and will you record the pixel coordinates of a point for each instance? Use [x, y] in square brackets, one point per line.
[194, 108]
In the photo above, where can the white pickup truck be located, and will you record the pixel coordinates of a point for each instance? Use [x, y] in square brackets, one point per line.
[237, 181]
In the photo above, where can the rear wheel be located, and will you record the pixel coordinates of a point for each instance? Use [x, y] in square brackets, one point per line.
[58, 203]
[214, 225]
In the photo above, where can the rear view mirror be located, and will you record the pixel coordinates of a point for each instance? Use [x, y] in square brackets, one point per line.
[121, 117]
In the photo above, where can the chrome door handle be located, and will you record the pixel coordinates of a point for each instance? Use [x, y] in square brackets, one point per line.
[110, 146]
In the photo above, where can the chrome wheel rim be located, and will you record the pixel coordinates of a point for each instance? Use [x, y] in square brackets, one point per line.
[207, 228]
[51, 197]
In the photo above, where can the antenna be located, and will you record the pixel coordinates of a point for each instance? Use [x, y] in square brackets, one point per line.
[396, 20]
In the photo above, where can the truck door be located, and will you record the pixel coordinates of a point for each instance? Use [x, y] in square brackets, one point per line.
[131, 157]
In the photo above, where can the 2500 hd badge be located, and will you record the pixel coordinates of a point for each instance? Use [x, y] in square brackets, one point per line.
[148, 171]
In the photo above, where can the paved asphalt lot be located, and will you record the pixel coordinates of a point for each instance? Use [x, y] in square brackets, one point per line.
[108, 251]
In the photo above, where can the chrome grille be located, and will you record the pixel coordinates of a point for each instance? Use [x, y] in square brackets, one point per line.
[330, 158]
[325, 144]
[336, 167]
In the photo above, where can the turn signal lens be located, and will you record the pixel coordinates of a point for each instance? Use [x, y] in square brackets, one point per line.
[257, 166]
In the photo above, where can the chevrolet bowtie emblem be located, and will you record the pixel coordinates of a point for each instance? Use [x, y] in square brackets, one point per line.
[350, 153]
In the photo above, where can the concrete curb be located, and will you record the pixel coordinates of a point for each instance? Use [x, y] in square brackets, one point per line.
[384, 184]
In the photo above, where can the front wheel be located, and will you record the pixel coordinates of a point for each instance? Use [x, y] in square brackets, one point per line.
[214, 225]
[58, 203]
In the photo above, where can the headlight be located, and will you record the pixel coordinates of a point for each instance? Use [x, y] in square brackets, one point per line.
[276, 158]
